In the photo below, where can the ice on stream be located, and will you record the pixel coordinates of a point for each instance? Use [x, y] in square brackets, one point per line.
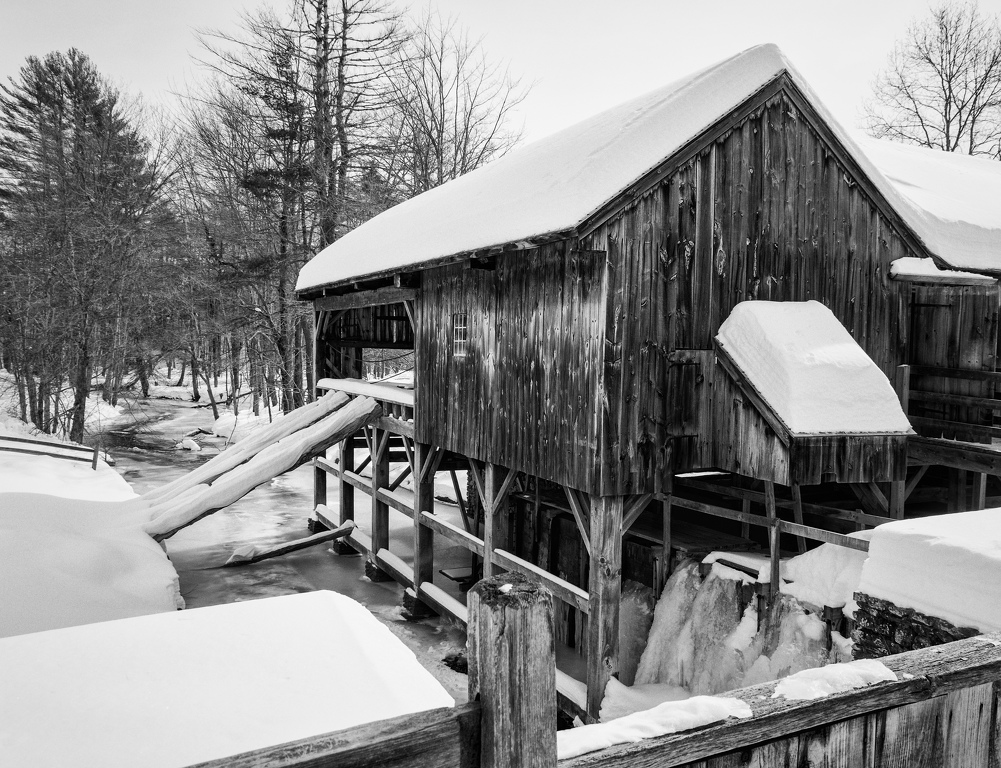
[706, 639]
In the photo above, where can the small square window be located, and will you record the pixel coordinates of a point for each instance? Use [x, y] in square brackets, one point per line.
[460, 335]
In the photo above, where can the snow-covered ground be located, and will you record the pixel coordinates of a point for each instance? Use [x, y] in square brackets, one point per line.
[176, 689]
[274, 513]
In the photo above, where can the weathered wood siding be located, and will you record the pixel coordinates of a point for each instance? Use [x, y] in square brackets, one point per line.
[767, 211]
[953, 327]
[526, 394]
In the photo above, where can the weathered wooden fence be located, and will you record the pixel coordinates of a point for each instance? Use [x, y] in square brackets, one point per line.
[943, 710]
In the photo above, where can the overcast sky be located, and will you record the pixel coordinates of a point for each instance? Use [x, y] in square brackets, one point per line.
[582, 55]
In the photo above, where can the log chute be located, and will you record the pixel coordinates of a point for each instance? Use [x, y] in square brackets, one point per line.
[252, 466]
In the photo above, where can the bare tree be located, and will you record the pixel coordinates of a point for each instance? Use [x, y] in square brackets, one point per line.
[942, 85]
[453, 108]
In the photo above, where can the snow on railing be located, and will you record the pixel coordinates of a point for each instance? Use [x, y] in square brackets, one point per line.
[396, 402]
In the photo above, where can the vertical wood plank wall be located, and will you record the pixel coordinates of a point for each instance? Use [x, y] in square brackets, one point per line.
[586, 363]
[766, 212]
[525, 396]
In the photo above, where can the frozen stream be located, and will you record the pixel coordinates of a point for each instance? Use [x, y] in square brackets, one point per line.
[273, 513]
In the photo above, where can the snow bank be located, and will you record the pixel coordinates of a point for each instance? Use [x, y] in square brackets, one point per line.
[834, 678]
[809, 369]
[914, 268]
[65, 562]
[826, 575]
[30, 473]
[670, 717]
[957, 195]
[181, 688]
[946, 565]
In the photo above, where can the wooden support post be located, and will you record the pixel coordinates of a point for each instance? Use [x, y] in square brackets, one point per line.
[346, 495]
[665, 528]
[347, 491]
[979, 490]
[380, 510]
[903, 386]
[797, 513]
[604, 590]
[512, 671]
[957, 490]
[492, 487]
[898, 495]
[774, 532]
[423, 473]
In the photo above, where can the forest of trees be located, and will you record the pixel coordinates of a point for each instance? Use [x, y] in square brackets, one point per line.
[135, 240]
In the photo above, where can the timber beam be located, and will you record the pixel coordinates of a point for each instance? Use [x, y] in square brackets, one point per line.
[376, 297]
[492, 484]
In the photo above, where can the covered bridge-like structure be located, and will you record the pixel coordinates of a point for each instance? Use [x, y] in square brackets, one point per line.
[567, 310]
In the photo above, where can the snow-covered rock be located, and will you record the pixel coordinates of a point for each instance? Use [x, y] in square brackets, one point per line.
[946, 565]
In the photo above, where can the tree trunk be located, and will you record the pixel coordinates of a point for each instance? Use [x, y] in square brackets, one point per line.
[212, 402]
[142, 371]
[195, 396]
[81, 390]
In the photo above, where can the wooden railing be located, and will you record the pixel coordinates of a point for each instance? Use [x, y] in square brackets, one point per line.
[56, 450]
[397, 403]
[940, 711]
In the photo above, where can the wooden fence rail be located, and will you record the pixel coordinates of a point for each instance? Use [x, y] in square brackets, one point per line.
[66, 451]
[944, 709]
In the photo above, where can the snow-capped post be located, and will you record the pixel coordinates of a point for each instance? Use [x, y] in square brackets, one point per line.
[512, 670]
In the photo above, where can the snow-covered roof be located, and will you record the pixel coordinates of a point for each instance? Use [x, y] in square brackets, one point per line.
[548, 186]
[557, 183]
[179, 688]
[958, 196]
[809, 370]
[919, 269]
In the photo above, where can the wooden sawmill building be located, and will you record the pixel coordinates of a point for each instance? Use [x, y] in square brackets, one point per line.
[562, 305]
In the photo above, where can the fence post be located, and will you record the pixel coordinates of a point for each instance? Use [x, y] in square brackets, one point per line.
[512, 669]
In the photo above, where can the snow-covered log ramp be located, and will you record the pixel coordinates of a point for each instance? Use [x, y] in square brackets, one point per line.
[170, 515]
[250, 446]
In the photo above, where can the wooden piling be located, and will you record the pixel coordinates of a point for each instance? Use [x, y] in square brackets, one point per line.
[347, 491]
[774, 554]
[380, 509]
[512, 671]
[423, 475]
[604, 591]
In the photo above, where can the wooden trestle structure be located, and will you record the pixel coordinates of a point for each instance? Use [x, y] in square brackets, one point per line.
[574, 377]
